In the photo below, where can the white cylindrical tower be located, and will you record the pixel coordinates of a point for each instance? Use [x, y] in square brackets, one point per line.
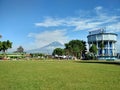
[98, 37]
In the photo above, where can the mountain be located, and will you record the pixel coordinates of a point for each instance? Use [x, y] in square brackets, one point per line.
[48, 49]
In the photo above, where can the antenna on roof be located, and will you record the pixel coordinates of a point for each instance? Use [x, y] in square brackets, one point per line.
[97, 31]
[104, 29]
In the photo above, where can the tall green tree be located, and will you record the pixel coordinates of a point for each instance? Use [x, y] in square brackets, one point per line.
[68, 49]
[75, 48]
[5, 45]
[102, 47]
[84, 49]
[58, 51]
[1, 47]
[0, 43]
[93, 49]
[20, 49]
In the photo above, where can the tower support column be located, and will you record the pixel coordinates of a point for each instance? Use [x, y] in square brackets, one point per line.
[97, 48]
[108, 48]
[113, 48]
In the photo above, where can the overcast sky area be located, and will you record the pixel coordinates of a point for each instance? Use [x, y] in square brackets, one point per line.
[35, 23]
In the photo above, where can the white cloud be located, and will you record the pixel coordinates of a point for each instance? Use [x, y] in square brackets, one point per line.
[115, 27]
[46, 37]
[98, 8]
[82, 23]
[50, 22]
[92, 23]
[100, 19]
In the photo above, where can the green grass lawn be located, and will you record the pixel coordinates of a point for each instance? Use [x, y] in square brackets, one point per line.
[58, 75]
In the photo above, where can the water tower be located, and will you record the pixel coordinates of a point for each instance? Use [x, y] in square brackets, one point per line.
[108, 40]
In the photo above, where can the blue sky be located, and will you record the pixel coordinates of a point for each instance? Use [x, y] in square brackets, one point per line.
[35, 23]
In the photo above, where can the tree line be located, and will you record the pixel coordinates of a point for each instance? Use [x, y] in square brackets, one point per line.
[77, 48]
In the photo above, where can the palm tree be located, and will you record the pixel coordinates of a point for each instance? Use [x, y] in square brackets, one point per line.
[1, 46]
[6, 45]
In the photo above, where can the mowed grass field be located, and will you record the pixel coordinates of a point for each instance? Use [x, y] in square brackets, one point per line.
[58, 75]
